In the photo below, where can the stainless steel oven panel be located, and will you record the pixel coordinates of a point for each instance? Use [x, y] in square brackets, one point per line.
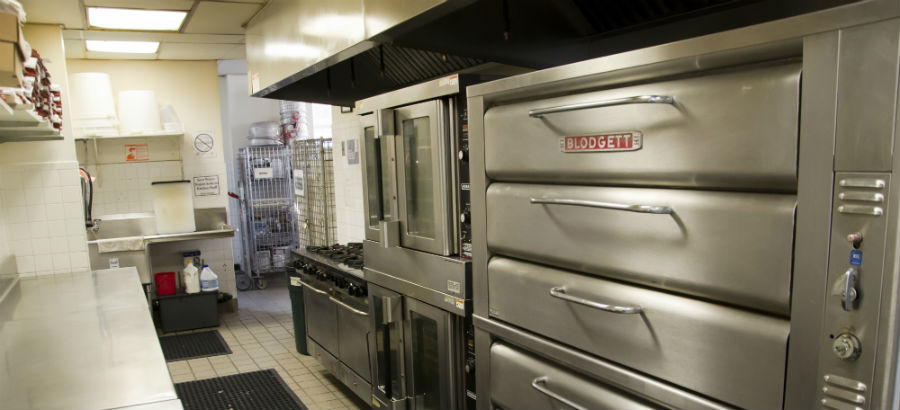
[488, 331]
[731, 247]
[731, 354]
[386, 348]
[523, 381]
[847, 356]
[354, 329]
[431, 374]
[424, 177]
[321, 317]
[438, 280]
[734, 129]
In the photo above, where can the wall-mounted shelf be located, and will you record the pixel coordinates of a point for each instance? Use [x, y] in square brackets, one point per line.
[110, 149]
[21, 123]
[134, 136]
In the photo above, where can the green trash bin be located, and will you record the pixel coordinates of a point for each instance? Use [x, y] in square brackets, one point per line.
[297, 311]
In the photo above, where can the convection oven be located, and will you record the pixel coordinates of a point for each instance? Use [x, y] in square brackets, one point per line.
[710, 223]
[418, 244]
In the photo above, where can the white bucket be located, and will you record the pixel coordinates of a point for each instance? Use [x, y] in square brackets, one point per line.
[91, 96]
[138, 112]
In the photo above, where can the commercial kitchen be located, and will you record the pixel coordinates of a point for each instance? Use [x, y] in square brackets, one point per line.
[449, 204]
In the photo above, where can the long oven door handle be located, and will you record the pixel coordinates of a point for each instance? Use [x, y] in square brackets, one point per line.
[560, 293]
[644, 209]
[310, 287]
[540, 384]
[348, 307]
[637, 99]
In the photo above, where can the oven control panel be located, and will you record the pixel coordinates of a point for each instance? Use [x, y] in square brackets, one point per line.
[853, 303]
[464, 189]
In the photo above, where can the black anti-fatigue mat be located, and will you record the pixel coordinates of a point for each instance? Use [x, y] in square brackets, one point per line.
[263, 389]
[193, 345]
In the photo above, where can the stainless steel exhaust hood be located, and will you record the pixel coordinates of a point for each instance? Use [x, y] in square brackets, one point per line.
[340, 51]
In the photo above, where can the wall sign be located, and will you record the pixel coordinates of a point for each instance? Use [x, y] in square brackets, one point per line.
[204, 144]
[298, 183]
[206, 185]
[352, 152]
[137, 152]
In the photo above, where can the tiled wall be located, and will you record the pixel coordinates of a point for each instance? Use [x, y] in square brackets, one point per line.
[348, 180]
[125, 188]
[7, 258]
[43, 214]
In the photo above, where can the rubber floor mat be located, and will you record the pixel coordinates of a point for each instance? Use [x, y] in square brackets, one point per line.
[258, 390]
[193, 345]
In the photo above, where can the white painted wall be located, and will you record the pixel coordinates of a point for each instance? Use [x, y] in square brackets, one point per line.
[348, 179]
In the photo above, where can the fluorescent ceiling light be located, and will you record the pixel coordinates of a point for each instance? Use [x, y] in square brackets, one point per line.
[136, 47]
[133, 19]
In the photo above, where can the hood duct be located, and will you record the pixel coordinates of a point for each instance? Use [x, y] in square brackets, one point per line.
[496, 37]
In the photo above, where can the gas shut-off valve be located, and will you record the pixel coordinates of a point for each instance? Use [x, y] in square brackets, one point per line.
[846, 346]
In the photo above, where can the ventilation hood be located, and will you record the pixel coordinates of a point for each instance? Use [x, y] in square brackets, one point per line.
[340, 51]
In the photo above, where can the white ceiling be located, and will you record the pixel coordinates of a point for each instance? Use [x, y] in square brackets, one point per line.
[213, 29]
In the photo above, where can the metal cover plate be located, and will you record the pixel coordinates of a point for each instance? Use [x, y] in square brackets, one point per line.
[609, 142]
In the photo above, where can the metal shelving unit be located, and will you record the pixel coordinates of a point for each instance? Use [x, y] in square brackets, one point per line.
[314, 191]
[267, 211]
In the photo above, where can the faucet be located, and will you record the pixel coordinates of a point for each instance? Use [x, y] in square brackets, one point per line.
[87, 196]
[95, 225]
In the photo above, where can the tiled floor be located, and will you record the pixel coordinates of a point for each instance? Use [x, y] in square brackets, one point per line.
[261, 336]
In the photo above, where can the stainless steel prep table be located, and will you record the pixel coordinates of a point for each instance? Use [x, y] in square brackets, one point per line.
[84, 340]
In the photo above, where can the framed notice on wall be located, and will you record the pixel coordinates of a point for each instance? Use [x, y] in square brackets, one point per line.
[206, 185]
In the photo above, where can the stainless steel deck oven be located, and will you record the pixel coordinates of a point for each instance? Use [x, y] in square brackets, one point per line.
[418, 244]
[710, 223]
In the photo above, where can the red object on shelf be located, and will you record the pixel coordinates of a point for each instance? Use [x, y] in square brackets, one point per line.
[165, 283]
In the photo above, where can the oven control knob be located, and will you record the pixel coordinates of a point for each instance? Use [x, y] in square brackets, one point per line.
[362, 291]
[463, 155]
[846, 346]
[465, 217]
[351, 289]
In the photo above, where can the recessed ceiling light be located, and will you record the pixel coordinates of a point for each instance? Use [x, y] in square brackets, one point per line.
[134, 19]
[136, 47]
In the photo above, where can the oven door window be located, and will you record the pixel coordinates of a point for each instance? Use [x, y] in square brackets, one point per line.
[374, 177]
[420, 181]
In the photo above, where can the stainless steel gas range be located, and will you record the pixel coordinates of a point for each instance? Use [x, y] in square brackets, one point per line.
[336, 307]
[711, 223]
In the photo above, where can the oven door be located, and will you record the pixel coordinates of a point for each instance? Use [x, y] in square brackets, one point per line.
[430, 352]
[424, 177]
[386, 347]
[378, 171]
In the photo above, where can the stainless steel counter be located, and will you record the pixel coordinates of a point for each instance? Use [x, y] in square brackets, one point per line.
[84, 340]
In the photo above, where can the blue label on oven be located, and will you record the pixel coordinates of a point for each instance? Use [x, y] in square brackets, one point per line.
[856, 257]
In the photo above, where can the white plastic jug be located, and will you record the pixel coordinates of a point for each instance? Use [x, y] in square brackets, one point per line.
[209, 281]
[191, 278]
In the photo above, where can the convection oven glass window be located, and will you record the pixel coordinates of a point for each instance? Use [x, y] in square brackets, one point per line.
[419, 177]
[373, 175]
[425, 362]
[388, 351]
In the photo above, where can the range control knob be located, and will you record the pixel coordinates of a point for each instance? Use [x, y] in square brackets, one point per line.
[463, 155]
[465, 217]
[846, 346]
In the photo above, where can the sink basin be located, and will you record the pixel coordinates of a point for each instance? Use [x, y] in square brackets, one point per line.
[210, 224]
[123, 225]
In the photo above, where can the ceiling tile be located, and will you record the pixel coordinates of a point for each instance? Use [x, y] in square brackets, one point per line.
[198, 51]
[65, 12]
[220, 18]
[74, 48]
[154, 5]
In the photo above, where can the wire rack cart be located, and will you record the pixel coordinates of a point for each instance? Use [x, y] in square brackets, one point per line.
[267, 210]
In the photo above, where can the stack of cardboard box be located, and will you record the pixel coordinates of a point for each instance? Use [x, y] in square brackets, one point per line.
[13, 51]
